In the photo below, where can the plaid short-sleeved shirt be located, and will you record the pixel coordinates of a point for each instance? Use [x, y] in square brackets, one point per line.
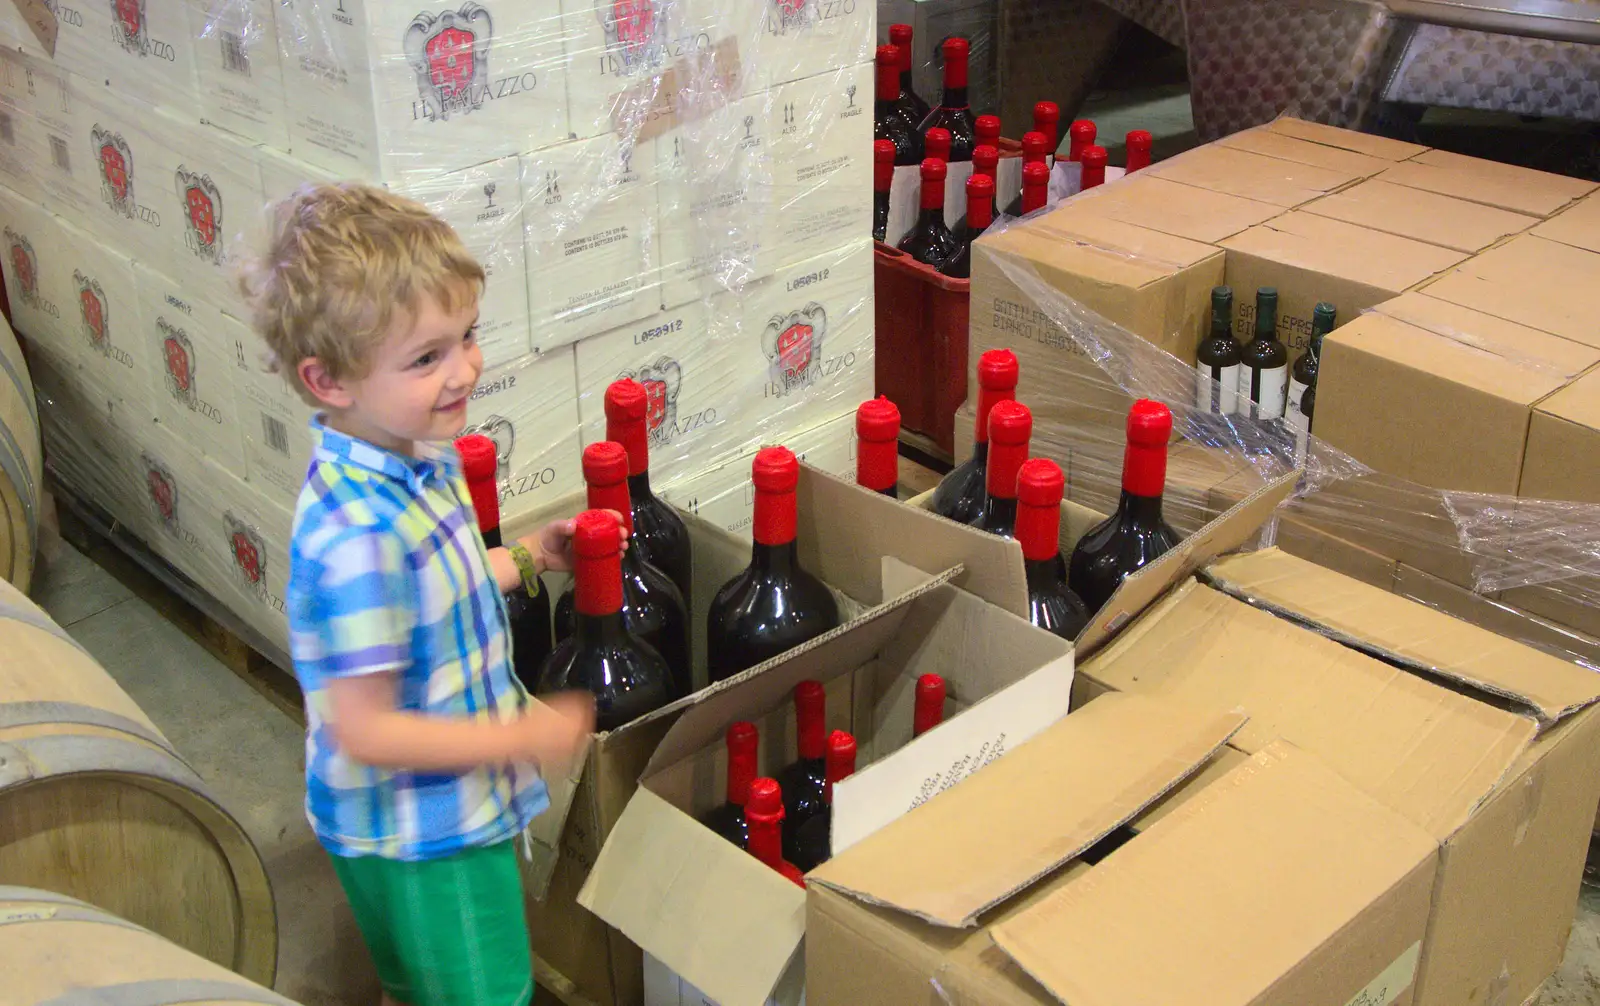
[388, 574]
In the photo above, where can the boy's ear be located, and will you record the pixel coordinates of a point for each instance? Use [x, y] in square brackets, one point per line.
[323, 385]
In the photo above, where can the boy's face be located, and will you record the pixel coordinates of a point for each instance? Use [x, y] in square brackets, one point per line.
[421, 377]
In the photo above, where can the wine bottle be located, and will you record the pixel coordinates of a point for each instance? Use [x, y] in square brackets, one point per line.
[980, 214]
[1138, 144]
[658, 532]
[1052, 605]
[774, 605]
[878, 446]
[1010, 427]
[803, 779]
[1034, 148]
[1303, 378]
[985, 132]
[1216, 371]
[930, 241]
[813, 839]
[1136, 534]
[764, 816]
[936, 144]
[928, 709]
[882, 182]
[652, 605]
[627, 677]
[1035, 187]
[912, 107]
[728, 819]
[887, 123]
[1264, 363]
[1080, 137]
[1047, 120]
[960, 494]
[1094, 168]
[527, 618]
[953, 112]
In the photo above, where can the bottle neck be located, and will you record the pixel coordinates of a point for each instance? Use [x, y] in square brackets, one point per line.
[932, 198]
[634, 437]
[491, 537]
[775, 518]
[598, 630]
[1034, 197]
[597, 586]
[888, 86]
[987, 397]
[1000, 515]
[955, 97]
[878, 465]
[1039, 532]
[613, 497]
[980, 214]
[1005, 461]
[810, 720]
[764, 838]
[639, 488]
[775, 560]
[1142, 510]
[1221, 325]
[1042, 574]
[741, 773]
[1144, 471]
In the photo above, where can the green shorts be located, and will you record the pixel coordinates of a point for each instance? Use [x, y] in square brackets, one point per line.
[444, 932]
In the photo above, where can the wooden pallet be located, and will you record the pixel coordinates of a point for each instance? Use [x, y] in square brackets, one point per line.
[261, 664]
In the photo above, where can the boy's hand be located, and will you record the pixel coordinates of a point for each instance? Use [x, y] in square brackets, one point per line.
[556, 729]
[551, 545]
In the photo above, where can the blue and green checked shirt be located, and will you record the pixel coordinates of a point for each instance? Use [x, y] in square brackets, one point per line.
[387, 574]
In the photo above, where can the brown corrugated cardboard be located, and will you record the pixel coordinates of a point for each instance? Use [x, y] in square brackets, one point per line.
[1505, 185]
[1225, 934]
[1577, 225]
[1172, 208]
[1094, 479]
[1570, 604]
[1424, 216]
[714, 914]
[1312, 258]
[1272, 143]
[1475, 764]
[1345, 139]
[1252, 176]
[1155, 285]
[1298, 534]
[1461, 384]
[1540, 283]
[1497, 614]
[601, 964]
[1563, 461]
[888, 918]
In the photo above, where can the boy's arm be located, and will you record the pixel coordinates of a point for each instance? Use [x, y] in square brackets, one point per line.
[551, 547]
[369, 728]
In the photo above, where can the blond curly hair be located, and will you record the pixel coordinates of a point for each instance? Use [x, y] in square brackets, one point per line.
[342, 259]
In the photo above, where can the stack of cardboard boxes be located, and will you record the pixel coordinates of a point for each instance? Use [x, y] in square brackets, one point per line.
[674, 192]
[1464, 361]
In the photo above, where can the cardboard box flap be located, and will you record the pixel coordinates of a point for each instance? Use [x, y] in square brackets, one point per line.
[707, 713]
[1425, 216]
[1346, 251]
[1026, 814]
[1531, 192]
[1579, 225]
[1218, 902]
[992, 567]
[1175, 208]
[1532, 281]
[1345, 139]
[1394, 628]
[1266, 179]
[1272, 143]
[711, 912]
[1433, 753]
[1528, 348]
[1230, 530]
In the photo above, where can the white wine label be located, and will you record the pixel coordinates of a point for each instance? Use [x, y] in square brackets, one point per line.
[1215, 388]
[1264, 391]
[1296, 415]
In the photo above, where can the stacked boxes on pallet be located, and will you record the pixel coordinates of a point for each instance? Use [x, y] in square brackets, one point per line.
[675, 190]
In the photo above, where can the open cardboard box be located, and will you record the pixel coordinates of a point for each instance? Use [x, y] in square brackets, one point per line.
[1490, 747]
[1021, 886]
[574, 947]
[709, 911]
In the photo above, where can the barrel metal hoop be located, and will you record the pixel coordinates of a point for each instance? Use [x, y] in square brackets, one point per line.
[11, 892]
[168, 992]
[15, 464]
[33, 758]
[23, 385]
[31, 714]
[66, 913]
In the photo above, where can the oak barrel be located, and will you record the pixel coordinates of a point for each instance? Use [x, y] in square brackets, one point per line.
[21, 464]
[95, 804]
[59, 951]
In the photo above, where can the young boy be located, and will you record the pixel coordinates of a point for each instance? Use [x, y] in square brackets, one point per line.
[423, 752]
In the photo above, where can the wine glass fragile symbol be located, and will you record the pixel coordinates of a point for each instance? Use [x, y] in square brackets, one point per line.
[488, 191]
[850, 92]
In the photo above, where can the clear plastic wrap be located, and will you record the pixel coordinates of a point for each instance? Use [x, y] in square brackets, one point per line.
[676, 191]
[1491, 558]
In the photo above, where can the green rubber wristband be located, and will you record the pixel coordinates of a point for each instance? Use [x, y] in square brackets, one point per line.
[527, 567]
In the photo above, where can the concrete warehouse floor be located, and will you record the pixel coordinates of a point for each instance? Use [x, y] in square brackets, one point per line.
[251, 752]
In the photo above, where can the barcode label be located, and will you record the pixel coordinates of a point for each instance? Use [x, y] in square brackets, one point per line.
[58, 154]
[277, 434]
[234, 57]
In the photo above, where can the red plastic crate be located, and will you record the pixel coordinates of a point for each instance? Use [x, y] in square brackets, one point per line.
[921, 353]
